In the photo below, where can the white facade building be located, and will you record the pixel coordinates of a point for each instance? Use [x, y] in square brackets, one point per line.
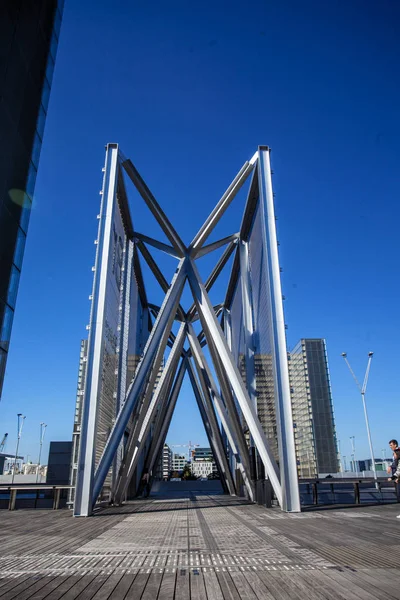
[203, 468]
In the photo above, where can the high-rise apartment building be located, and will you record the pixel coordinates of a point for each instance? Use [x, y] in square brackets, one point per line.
[313, 417]
[29, 32]
[164, 466]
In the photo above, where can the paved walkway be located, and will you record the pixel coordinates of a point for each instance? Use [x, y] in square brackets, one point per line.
[200, 548]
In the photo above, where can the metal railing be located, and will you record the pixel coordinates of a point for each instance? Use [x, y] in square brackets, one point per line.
[33, 496]
[323, 492]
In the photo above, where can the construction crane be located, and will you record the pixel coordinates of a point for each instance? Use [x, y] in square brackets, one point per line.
[3, 442]
[189, 446]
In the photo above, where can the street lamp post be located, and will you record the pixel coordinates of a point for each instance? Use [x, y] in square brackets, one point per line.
[362, 390]
[42, 433]
[353, 452]
[21, 420]
[340, 457]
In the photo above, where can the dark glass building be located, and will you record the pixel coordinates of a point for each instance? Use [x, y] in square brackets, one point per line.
[29, 32]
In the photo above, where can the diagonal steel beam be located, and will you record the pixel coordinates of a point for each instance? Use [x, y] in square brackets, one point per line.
[231, 406]
[162, 426]
[248, 326]
[164, 321]
[214, 275]
[214, 334]
[217, 309]
[223, 414]
[159, 245]
[222, 205]
[153, 205]
[215, 245]
[157, 273]
[148, 413]
[123, 479]
[211, 426]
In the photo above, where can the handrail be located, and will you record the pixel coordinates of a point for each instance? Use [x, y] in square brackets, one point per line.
[15, 488]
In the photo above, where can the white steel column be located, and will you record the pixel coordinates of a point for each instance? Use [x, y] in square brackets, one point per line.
[287, 450]
[85, 471]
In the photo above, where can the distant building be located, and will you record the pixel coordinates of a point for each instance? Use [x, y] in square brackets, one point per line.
[29, 39]
[203, 468]
[203, 463]
[179, 462]
[366, 464]
[58, 465]
[203, 454]
[164, 466]
[312, 408]
[7, 463]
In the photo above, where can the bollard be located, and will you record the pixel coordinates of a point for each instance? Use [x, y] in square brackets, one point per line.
[356, 492]
[13, 497]
[315, 493]
[56, 501]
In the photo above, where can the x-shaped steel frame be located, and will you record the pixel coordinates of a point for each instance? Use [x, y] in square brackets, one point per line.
[156, 404]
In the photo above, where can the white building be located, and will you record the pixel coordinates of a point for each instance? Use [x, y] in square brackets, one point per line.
[179, 462]
[203, 468]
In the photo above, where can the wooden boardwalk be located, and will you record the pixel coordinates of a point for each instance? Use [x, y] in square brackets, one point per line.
[200, 548]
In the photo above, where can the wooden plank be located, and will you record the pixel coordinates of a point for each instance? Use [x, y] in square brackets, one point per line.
[182, 584]
[106, 589]
[123, 586]
[87, 585]
[351, 586]
[370, 586]
[213, 588]
[20, 587]
[258, 586]
[197, 588]
[61, 590]
[150, 592]
[242, 585]
[273, 586]
[227, 586]
[137, 587]
[325, 586]
[52, 584]
[167, 588]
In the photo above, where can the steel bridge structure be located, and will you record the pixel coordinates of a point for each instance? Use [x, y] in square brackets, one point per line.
[139, 352]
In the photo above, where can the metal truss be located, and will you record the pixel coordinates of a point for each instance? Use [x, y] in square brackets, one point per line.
[153, 392]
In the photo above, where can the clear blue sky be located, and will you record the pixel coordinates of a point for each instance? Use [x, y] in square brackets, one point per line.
[189, 90]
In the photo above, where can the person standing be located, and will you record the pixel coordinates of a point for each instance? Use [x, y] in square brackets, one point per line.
[393, 468]
[146, 483]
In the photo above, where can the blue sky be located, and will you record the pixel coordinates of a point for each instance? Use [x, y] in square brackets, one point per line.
[189, 91]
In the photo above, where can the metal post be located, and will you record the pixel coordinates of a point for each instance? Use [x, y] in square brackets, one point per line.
[353, 452]
[21, 420]
[42, 434]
